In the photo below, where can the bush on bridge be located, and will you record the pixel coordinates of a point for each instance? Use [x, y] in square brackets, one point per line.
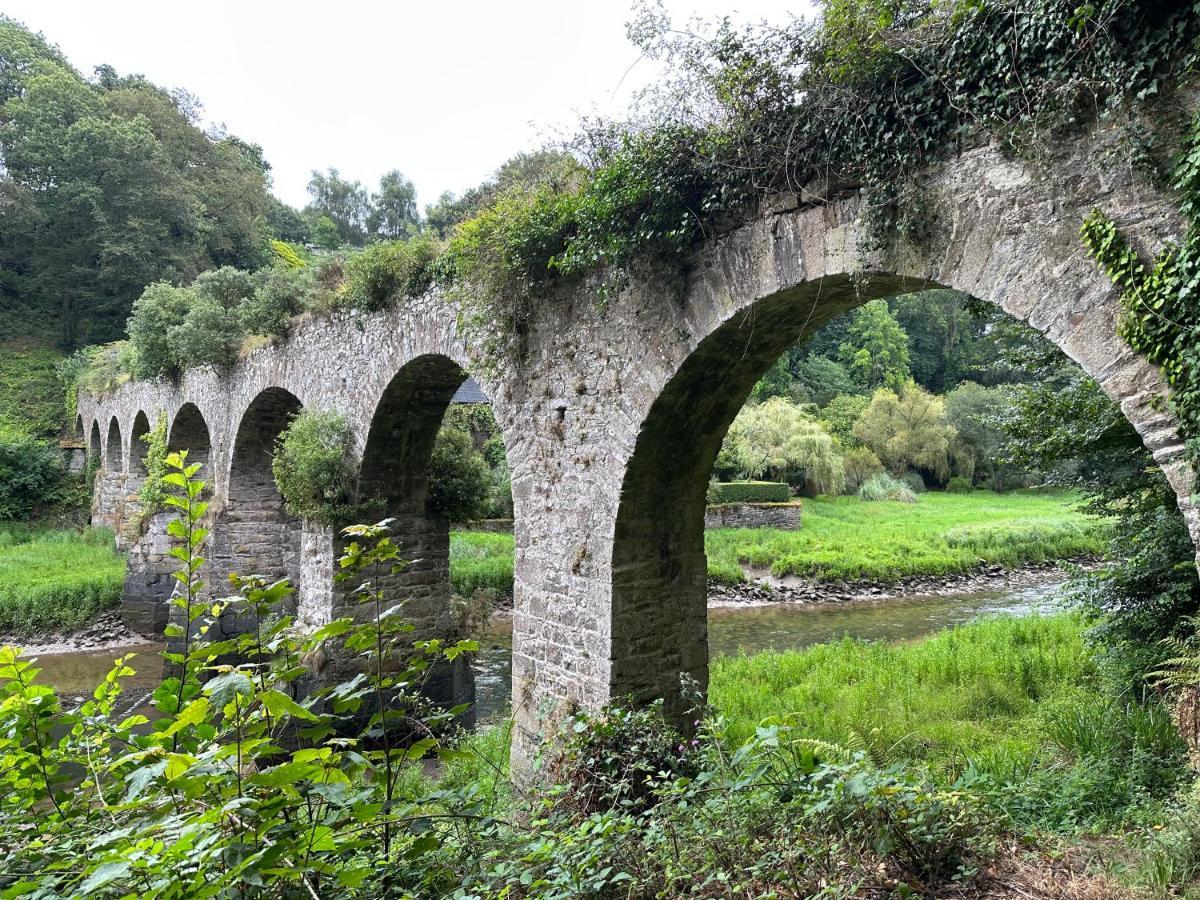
[314, 467]
[388, 270]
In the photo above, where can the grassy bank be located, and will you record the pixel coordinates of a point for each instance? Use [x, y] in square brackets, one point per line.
[480, 560]
[56, 579]
[847, 538]
[942, 534]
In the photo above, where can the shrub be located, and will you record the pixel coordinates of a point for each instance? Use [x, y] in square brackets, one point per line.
[152, 493]
[459, 479]
[159, 309]
[959, 485]
[914, 481]
[907, 430]
[314, 466]
[281, 293]
[389, 270]
[840, 414]
[749, 492]
[209, 335]
[30, 475]
[860, 464]
[884, 487]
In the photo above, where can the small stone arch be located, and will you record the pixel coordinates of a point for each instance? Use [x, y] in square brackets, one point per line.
[255, 534]
[79, 432]
[114, 459]
[94, 450]
[190, 432]
[138, 447]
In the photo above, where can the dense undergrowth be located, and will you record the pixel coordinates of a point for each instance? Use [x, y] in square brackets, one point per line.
[56, 580]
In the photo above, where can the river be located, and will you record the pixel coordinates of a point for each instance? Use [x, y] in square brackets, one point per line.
[731, 630]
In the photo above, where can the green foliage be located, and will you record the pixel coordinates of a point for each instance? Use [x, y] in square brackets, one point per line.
[31, 475]
[160, 308]
[859, 464]
[481, 561]
[389, 271]
[459, 477]
[31, 390]
[844, 538]
[204, 800]
[908, 430]
[749, 492]
[279, 294]
[153, 491]
[314, 467]
[109, 186]
[840, 414]
[779, 440]
[876, 350]
[882, 486]
[821, 379]
[287, 255]
[57, 580]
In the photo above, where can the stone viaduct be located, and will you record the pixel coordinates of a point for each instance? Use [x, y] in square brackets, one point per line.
[613, 413]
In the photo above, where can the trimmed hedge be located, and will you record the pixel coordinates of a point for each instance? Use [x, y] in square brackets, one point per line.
[749, 492]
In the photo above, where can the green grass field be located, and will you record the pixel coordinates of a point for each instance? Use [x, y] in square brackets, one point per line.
[57, 579]
[847, 538]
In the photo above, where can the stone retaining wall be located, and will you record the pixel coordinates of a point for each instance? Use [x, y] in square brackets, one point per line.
[785, 516]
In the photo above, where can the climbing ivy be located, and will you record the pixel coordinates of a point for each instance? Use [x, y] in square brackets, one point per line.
[153, 491]
[1160, 316]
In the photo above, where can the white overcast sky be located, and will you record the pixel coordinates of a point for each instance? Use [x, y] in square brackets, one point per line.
[444, 91]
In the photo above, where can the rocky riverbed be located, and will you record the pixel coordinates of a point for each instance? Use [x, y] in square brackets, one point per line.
[763, 588]
[105, 632]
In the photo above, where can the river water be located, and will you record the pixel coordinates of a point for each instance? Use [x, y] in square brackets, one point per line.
[731, 630]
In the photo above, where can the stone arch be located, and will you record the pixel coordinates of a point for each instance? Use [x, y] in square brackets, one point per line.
[393, 479]
[658, 602]
[79, 432]
[94, 444]
[114, 457]
[255, 534]
[190, 432]
[138, 446]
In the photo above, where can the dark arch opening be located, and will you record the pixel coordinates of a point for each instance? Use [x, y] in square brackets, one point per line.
[79, 425]
[189, 432]
[138, 447]
[257, 535]
[113, 452]
[394, 478]
[94, 443]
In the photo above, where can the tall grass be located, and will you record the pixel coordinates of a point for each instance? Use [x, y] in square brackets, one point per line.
[1013, 708]
[55, 580]
[846, 538]
[481, 560]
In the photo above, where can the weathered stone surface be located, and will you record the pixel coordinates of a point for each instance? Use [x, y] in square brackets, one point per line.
[613, 413]
[786, 516]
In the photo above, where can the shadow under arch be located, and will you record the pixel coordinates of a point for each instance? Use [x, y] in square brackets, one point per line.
[659, 616]
[189, 431]
[254, 533]
[393, 483]
[113, 452]
[94, 443]
[138, 447]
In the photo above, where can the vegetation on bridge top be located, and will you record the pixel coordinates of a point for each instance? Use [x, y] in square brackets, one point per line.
[875, 92]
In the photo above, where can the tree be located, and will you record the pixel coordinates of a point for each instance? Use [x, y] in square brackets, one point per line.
[908, 431]
[459, 478]
[840, 414]
[821, 379]
[345, 203]
[973, 410]
[876, 348]
[393, 213]
[777, 440]
[110, 186]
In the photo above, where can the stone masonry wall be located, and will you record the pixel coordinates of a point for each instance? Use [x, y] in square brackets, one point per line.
[785, 516]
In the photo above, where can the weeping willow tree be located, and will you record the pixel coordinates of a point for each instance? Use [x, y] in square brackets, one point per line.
[779, 441]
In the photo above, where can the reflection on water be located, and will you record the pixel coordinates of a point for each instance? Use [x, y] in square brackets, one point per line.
[731, 630]
[786, 626]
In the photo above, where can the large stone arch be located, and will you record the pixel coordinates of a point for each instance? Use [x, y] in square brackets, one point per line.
[393, 485]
